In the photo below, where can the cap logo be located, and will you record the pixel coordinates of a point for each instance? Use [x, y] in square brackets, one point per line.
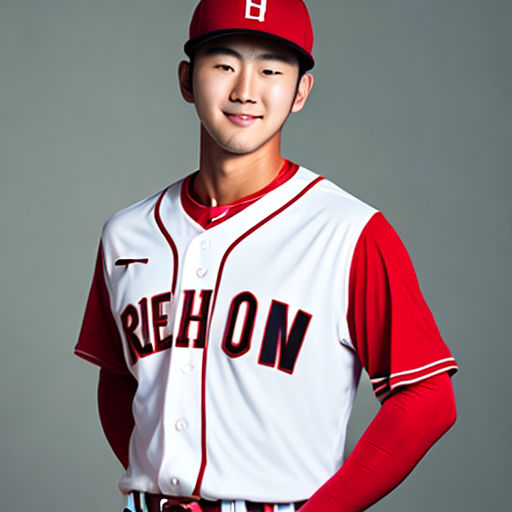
[255, 10]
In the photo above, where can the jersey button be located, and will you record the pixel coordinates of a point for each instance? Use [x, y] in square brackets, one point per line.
[181, 425]
[174, 481]
[205, 244]
[187, 368]
[201, 272]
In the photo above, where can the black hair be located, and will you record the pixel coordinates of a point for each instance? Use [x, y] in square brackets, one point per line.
[304, 67]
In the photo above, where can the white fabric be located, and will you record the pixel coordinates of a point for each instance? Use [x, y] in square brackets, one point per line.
[271, 435]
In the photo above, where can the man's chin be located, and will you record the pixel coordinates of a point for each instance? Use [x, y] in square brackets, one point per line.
[240, 149]
[241, 145]
[244, 147]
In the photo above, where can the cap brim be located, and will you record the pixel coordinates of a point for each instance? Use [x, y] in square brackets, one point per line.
[192, 44]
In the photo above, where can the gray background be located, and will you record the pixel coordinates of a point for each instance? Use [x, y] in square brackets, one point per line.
[411, 112]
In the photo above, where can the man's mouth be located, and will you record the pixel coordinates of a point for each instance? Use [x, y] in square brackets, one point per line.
[242, 119]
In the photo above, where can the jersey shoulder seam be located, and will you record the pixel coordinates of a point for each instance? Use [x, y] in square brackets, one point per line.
[122, 215]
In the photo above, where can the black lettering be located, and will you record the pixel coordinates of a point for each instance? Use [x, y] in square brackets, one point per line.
[236, 349]
[160, 321]
[276, 338]
[186, 317]
[130, 321]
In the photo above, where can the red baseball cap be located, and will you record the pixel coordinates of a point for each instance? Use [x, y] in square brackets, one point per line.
[285, 20]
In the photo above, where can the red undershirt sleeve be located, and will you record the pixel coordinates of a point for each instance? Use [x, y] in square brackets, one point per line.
[115, 398]
[409, 422]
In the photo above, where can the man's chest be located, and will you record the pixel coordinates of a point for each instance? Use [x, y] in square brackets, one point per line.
[258, 294]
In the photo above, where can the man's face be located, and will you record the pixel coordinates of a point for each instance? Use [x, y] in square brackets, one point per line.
[244, 89]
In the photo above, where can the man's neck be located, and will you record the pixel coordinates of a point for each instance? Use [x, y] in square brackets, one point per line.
[226, 177]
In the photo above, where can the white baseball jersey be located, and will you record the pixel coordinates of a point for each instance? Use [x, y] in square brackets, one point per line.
[242, 337]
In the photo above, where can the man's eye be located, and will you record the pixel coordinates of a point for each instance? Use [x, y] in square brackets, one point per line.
[224, 67]
[271, 72]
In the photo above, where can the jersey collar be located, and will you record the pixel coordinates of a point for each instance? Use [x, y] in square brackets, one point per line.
[209, 216]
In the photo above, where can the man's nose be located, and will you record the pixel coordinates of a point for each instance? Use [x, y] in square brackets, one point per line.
[244, 88]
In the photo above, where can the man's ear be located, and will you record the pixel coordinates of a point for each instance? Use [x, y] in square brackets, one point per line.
[185, 80]
[305, 85]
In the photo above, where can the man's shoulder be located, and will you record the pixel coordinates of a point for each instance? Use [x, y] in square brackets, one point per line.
[334, 200]
[137, 214]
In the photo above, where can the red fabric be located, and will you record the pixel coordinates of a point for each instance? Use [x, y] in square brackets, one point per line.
[115, 398]
[286, 19]
[203, 215]
[99, 341]
[390, 324]
[409, 422]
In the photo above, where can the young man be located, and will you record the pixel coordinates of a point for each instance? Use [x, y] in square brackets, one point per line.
[231, 314]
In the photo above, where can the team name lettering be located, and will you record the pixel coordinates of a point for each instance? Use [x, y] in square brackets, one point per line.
[140, 344]
[280, 345]
[187, 318]
[241, 345]
[278, 341]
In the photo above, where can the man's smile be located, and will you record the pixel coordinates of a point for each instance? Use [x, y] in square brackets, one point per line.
[242, 119]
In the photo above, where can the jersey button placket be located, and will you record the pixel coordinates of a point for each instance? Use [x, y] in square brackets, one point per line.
[198, 274]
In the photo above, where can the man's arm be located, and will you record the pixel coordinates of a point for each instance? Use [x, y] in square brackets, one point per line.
[409, 422]
[115, 398]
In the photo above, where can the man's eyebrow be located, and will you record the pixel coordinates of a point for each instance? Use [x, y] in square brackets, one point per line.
[222, 50]
[275, 56]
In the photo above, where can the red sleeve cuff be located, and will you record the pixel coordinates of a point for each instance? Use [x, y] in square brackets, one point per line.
[383, 386]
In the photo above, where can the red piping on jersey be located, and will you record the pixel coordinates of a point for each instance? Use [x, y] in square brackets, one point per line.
[169, 239]
[199, 481]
